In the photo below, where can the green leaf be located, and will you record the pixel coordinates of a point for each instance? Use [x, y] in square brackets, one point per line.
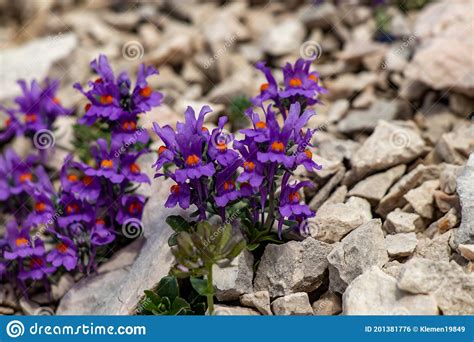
[168, 287]
[172, 241]
[179, 305]
[200, 285]
[178, 223]
[152, 297]
[252, 246]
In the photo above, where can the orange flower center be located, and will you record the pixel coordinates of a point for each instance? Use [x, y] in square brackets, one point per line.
[87, 180]
[134, 168]
[107, 163]
[40, 207]
[313, 78]
[204, 129]
[192, 160]
[295, 82]
[261, 125]
[129, 125]
[56, 101]
[25, 177]
[229, 185]
[221, 146]
[277, 146]
[99, 222]
[8, 122]
[30, 118]
[175, 189]
[62, 248]
[161, 150]
[99, 80]
[135, 208]
[72, 178]
[106, 99]
[36, 262]
[308, 153]
[145, 92]
[294, 197]
[87, 107]
[72, 208]
[264, 86]
[249, 166]
[21, 242]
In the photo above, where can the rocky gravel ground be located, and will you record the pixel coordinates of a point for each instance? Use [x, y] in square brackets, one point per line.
[394, 229]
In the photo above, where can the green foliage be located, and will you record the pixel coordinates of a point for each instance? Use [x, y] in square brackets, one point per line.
[178, 224]
[165, 299]
[84, 136]
[237, 117]
[409, 5]
[197, 251]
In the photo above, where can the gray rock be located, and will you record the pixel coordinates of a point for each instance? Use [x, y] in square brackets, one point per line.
[401, 222]
[437, 249]
[259, 300]
[391, 144]
[421, 198]
[376, 293]
[346, 84]
[446, 281]
[65, 283]
[17, 62]
[334, 221]
[467, 251]
[292, 267]
[329, 304]
[337, 149]
[338, 110]
[227, 310]
[320, 16]
[362, 205]
[295, 304]
[338, 196]
[401, 245]
[443, 58]
[445, 223]
[284, 37]
[392, 268]
[460, 104]
[357, 252]
[236, 279]
[117, 292]
[447, 179]
[454, 147]
[465, 189]
[366, 120]
[324, 192]
[394, 198]
[374, 187]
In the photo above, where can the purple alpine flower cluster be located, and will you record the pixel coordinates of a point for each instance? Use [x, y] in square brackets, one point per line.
[213, 174]
[66, 228]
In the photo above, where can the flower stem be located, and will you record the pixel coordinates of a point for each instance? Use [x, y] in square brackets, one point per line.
[210, 291]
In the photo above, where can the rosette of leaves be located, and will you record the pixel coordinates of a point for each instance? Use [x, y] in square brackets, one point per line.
[165, 299]
[197, 251]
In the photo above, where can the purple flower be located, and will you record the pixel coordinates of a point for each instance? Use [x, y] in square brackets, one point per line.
[11, 126]
[125, 132]
[290, 203]
[218, 148]
[39, 105]
[253, 170]
[74, 210]
[131, 208]
[36, 269]
[299, 81]
[101, 235]
[107, 164]
[109, 97]
[20, 244]
[268, 90]
[179, 193]
[64, 254]
[17, 175]
[43, 209]
[226, 190]
[75, 182]
[131, 170]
